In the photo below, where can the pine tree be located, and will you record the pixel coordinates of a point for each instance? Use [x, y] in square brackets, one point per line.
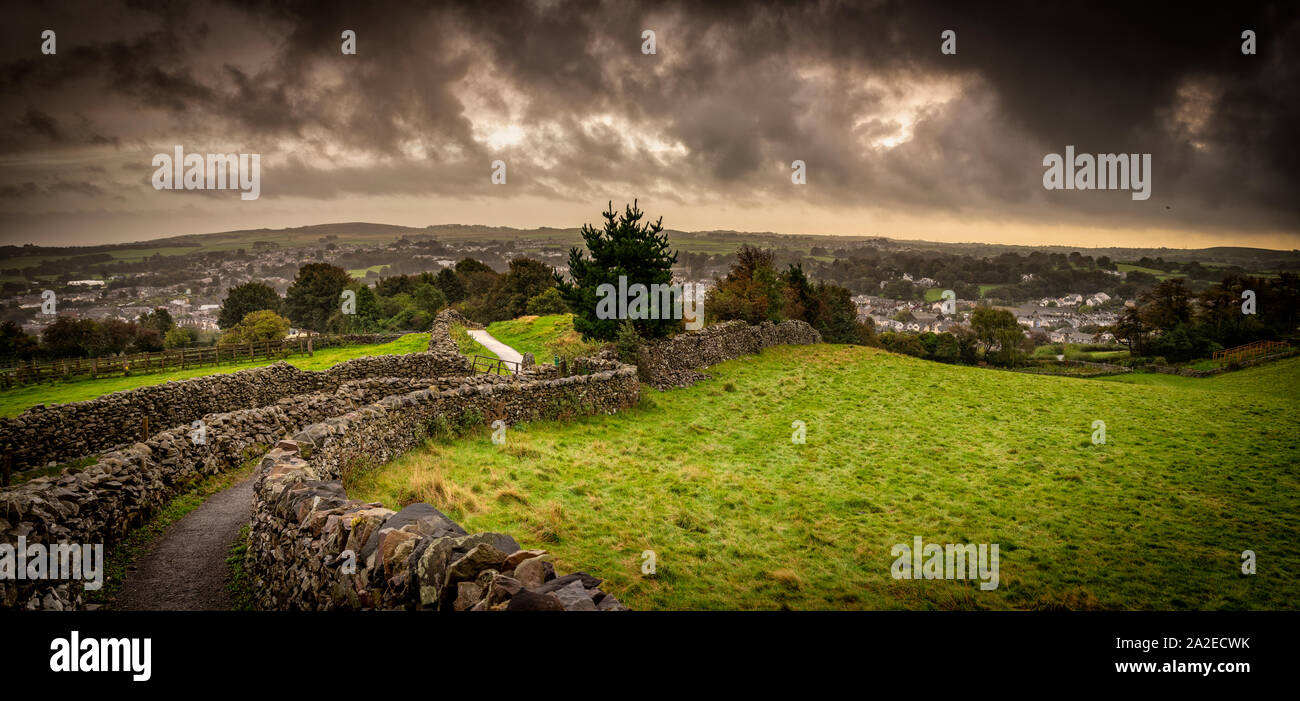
[624, 247]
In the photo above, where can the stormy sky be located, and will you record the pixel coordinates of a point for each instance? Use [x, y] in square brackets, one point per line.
[898, 138]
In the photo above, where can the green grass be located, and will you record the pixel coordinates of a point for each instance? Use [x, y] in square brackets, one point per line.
[466, 344]
[239, 586]
[1074, 351]
[1159, 274]
[361, 272]
[543, 336]
[1193, 472]
[15, 401]
[72, 467]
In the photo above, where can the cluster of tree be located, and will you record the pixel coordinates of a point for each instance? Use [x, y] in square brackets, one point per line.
[315, 301]
[1172, 322]
[402, 302]
[993, 337]
[1018, 277]
[68, 337]
[754, 291]
[525, 288]
[1191, 270]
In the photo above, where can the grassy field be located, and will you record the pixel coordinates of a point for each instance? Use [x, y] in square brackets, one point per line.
[361, 272]
[543, 336]
[1159, 274]
[1074, 351]
[15, 401]
[466, 344]
[1192, 473]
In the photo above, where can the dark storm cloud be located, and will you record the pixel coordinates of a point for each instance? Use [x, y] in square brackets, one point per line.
[737, 91]
[41, 124]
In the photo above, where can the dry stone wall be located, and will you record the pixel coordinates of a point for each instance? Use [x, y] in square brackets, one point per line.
[440, 339]
[100, 504]
[54, 434]
[304, 525]
[673, 362]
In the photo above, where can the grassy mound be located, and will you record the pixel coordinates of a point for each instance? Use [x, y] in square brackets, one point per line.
[543, 336]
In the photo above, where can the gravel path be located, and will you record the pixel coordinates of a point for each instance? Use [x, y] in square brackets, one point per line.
[185, 570]
[503, 351]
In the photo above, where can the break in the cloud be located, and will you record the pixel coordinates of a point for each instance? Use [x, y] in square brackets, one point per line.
[898, 139]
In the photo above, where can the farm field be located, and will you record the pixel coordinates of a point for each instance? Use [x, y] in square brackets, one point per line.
[14, 401]
[360, 273]
[1192, 473]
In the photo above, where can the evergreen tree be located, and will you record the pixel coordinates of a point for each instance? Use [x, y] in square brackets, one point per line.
[316, 295]
[623, 247]
[450, 284]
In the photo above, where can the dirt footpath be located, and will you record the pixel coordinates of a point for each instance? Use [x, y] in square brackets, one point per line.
[185, 569]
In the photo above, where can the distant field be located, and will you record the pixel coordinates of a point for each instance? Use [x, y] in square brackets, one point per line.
[15, 401]
[1192, 473]
[361, 272]
[1160, 274]
[1074, 351]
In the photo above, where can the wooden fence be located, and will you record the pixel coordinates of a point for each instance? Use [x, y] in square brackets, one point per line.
[1248, 351]
[487, 365]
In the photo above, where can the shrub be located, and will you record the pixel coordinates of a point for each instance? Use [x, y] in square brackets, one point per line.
[547, 302]
[628, 342]
[264, 325]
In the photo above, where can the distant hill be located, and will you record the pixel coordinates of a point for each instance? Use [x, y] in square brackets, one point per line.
[716, 241]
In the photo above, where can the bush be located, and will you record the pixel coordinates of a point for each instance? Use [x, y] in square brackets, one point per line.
[628, 342]
[549, 301]
[256, 327]
[180, 337]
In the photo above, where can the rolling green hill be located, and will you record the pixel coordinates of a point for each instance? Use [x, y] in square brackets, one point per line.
[1191, 474]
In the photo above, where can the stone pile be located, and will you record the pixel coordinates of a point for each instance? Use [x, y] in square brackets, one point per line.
[313, 548]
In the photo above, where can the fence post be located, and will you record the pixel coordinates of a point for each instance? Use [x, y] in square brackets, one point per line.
[145, 437]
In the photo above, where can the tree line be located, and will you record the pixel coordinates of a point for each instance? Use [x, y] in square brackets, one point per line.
[1174, 323]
